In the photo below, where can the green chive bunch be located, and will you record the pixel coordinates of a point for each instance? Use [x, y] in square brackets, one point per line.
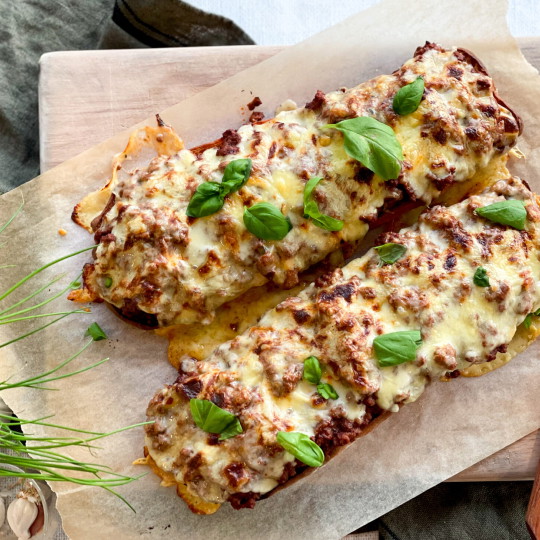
[38, 456]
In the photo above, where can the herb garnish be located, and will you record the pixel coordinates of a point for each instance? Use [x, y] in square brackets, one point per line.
[480, 277]
[327, 391]
[313, 373]
[397, 347]
[212, 419]
[40, 456]
[373, 144]
[311, 209]
[511, 213]
[408, 98]
[9, 316]
[301, 447]
[96, 332]
[312, 370]
[390, 253]
[236, 174]
[266, 222]
[209, 197]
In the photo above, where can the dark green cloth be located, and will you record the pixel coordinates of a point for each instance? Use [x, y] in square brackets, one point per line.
[461, 511]
[29, 28]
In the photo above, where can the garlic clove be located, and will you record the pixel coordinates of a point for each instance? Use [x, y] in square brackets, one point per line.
[37, 526]
[21, 513]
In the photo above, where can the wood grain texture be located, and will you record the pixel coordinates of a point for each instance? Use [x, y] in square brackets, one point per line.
[86, 97]
[532, 518]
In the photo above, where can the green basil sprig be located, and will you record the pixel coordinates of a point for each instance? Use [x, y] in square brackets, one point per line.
[390, 253]
[236, 174]
[481, 278]
[312, 370]
[327, 391]
[301, 447]
[313, 373]
[408, 98]
[96, 332]
[373, 144]
[511, 213]
[397, 347]
[528, 319]
[266, 222]
[209, 197]
[311, 209]
[212, 419]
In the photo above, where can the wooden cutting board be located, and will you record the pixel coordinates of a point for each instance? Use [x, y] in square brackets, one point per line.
[86, 97]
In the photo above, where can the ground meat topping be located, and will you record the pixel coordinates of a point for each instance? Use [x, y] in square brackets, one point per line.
[255, 102]
[236, 474]
[317, 102]
[445, 355]
[244, 500]
[256, 116]
[229, 143]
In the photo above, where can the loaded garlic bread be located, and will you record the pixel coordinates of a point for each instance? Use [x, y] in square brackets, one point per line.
[192, 229]
[457, 289]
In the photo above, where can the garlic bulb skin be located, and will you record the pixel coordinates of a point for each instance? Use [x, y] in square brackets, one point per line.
[21, 513]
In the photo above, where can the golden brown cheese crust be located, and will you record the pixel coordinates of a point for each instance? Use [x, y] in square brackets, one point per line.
[258, 375]
[151, 258]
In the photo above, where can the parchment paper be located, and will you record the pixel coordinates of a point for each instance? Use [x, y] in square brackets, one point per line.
[453, 425]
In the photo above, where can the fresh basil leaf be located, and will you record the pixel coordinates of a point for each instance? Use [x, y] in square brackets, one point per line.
[266, 222]
[373, 144]
[397, 347]
[95, 332]
[232, 430]
[310, 206]
[408, 98]
[511, 213]
[311, 209]
[301, 447]
[212, 419]
[327, 391]
[207, 199]
[480, 277]
[312, 370]
[390, 253]
[327, 223]
[236, 174]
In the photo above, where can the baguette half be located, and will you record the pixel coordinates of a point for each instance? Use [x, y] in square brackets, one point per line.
[157, 265]
[430, 289]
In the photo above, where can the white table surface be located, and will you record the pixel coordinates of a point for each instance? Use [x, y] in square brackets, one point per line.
[286, 22]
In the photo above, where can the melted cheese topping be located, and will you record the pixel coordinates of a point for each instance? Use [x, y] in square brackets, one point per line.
[258, 375]
[234, 317]
[150, 257]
